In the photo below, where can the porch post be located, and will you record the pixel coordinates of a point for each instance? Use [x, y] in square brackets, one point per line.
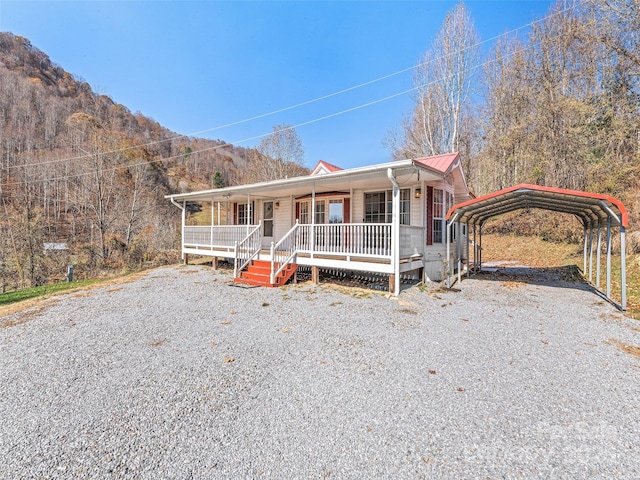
[184, 220]
[395, 242]
[213, 210]
[313, 219]
[395, 233]
[248, 212]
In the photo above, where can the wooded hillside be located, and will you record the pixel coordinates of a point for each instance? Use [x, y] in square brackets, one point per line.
[77, 168]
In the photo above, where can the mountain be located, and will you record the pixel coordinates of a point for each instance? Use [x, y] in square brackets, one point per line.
[78, 168]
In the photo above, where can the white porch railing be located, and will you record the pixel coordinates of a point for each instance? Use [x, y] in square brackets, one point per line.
[221, 236]
[284, 251]
[247, 249]
[359, 239]
[370, 240]
[411, 241]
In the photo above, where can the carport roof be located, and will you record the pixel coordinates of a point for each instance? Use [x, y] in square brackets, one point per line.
[588, 207]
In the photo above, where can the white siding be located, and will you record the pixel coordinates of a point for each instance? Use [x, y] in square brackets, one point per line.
[417, 216]
[357, 205]
[282, 218]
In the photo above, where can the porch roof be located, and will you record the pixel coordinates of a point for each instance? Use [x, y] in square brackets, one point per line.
[373, 176]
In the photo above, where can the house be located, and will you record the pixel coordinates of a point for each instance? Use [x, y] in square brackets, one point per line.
[387, 218]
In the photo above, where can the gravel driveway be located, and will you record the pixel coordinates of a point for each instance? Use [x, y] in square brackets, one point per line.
[180, 374]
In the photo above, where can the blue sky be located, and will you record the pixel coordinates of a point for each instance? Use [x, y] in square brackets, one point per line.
[198, 65]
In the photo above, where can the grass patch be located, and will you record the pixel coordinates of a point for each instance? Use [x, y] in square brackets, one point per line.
[20, 300]
[35, 292]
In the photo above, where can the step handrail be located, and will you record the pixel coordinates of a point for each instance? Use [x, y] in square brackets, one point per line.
[283, 252]
[247, 249]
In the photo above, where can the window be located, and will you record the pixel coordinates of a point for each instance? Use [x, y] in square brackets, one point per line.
[438, 215]
[304, 212]
[335, 211]
[378, 207]
[243, 214]
[374, 207]
[405, 206]
[319, 212]
[442, 202]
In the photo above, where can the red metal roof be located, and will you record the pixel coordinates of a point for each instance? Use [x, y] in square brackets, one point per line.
[441, 163]
[585, 205]
[326, 166]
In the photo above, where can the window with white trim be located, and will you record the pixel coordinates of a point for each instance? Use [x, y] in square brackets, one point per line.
[243, 214]
[438, 215]
[304, 213]
[319, 212]
[378, 207]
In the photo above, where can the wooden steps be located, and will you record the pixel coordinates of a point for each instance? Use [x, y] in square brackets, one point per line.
[259, 273]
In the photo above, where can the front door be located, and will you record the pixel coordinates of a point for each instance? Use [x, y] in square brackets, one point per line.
[267, 223]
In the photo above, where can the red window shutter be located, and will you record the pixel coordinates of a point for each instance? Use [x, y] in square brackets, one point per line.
[346, 207]
[235, 214]
[298, 211]
[429, 225]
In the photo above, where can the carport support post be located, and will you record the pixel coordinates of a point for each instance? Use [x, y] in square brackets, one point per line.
[475, 247]
[591, 252]
[480, 247]
[584, 251]
[608, 257]
[447, 270]
[468, 250]
[448, 240]
[459, 249]
[623, 267]
[599, 247]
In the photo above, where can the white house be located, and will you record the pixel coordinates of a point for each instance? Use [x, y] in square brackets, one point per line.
[387, 218]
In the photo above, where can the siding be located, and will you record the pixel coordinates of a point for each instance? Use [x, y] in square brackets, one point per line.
[282, 218]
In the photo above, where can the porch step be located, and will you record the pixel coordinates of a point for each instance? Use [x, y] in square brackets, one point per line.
[259, 273]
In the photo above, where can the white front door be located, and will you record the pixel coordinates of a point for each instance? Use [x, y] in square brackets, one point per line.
[267, 224]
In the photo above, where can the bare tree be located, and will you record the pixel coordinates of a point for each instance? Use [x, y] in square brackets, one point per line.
[279, 155]
[443, 83]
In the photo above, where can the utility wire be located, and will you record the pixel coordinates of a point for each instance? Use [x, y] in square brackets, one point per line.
[308, 122]
[301, 104]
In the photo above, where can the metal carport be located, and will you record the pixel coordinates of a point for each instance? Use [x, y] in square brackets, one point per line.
[595, 211]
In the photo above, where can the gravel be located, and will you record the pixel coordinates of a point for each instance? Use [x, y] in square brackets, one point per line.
[180, 374]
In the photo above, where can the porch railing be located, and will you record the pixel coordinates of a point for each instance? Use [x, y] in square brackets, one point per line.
[247, 249]
[358, 239]
[411, 241]
[220, 236]
[284, 251]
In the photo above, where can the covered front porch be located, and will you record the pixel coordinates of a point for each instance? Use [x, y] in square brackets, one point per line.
[350, 246]
[377, 219]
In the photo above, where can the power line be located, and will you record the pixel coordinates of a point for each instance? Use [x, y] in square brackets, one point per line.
[301, 104]
[256, 137]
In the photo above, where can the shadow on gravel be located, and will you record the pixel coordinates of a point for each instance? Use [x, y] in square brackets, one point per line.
[568, 276]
